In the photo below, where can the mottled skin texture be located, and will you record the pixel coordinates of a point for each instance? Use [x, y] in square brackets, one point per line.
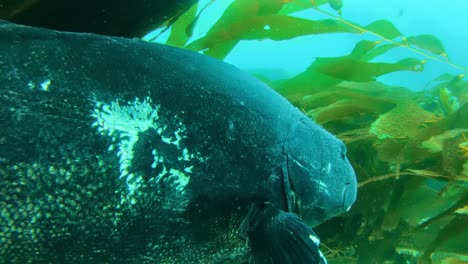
[63, 198]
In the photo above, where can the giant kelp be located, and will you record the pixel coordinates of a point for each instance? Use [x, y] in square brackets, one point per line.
[409, 148]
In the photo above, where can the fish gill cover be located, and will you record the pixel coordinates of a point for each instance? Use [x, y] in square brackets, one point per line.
[408, 147]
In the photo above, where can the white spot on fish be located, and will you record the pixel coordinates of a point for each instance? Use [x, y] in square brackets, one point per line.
[299, 164]
[123, 122]
[31, 85]
[156, 158]
[323, 188]
[161, 174]
[314, 239]
[178, 137]
[322, 257]
[323, 185]
[188, 169]
[185, 154]
[167, 139]
[45, 85]
[267, 27]
[349, 207]
[180, 178]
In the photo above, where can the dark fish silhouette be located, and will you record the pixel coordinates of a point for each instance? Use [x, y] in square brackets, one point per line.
[121, 151]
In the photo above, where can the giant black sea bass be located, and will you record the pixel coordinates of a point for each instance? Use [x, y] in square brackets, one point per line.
[117, 150]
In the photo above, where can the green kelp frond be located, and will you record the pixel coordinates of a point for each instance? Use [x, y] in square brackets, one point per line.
[326, 73]
[275, 27]
[182, 29]
[350, 69]
[436, 143]
[293, 6]
[404, 121]
[384, 28]
[451, 91]
[465, 169]
[429, 43]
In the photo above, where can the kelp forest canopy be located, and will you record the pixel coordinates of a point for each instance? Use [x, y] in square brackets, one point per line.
[409, 148]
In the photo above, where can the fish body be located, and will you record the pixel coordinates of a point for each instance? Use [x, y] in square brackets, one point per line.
[117, 150]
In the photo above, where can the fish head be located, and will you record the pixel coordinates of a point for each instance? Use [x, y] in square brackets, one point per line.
[321, 177]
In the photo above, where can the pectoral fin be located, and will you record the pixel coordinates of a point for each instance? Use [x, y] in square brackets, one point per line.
[277, 237]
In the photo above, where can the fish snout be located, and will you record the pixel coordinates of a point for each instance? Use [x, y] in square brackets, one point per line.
[349, 194]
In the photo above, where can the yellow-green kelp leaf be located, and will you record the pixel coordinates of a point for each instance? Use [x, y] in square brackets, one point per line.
[305, 83]
[438, 125]
[465, 169]
[404, 121]
[219, 40]
[326, 73]
[347, 109]
[425, 173]
[379, 50]
[367, 50]
[350, 69]
[182, 29]
[427, 42]
[451, 90]
[446, 77]
[384, 28]
[448, 102]
[376, 89]
[436, 143]
[390, 150]
[275, 27]
[241, 9]
[362, 48]
[462, 210]
[336, 4]
[463, 146]
[293, 6]
[459, 88]
[373, 96]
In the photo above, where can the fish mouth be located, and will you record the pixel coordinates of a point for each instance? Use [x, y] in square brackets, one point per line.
[348, 195]
[320, 211]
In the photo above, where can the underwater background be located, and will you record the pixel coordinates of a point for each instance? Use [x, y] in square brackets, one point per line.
[389, 78]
